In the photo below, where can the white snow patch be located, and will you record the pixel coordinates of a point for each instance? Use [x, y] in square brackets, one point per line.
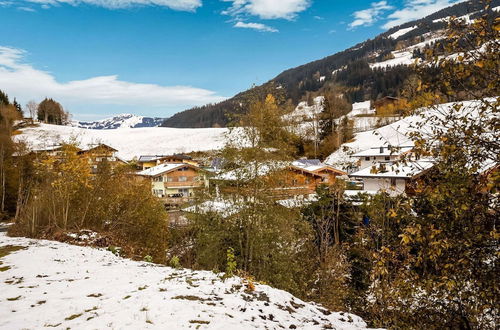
[130, 142]
[402, 32]
[52, 284]
[402, 57]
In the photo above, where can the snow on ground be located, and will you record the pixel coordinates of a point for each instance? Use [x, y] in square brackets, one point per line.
[52, 284]
[394, 134]
[400, 58]
[402, 32]
[305, 112]
[130, 142]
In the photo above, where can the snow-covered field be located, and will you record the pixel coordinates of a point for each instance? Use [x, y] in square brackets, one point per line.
[52, 284]
[130, 142]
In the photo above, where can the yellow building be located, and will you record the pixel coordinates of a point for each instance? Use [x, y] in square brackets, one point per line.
[175, 182]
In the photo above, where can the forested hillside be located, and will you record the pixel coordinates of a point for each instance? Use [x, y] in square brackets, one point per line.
[352, 68]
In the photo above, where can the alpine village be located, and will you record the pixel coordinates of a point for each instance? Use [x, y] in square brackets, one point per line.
[356, 191]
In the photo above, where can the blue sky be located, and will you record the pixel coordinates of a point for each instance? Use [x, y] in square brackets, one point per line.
[158, 57]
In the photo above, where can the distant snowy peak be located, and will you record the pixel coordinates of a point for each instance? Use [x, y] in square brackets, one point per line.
[120, 121]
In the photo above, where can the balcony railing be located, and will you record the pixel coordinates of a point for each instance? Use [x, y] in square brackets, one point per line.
[188, 183]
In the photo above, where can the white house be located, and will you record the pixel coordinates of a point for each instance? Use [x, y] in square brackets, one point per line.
[392, 178]
[383, 154]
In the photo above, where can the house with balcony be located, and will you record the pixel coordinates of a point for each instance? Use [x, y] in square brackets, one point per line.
[95, 153]
[328, 172]
[393, 178]
[99, 153]
[175, 183]
[281, 180]
[381, 155]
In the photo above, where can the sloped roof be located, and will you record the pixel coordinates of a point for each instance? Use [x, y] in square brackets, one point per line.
[162, 168]
[395, 170]
[386, 151]
[264, 169]
[314, 166]
[149, 158]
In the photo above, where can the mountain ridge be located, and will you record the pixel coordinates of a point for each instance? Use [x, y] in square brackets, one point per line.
[124, 120]
[349, 68]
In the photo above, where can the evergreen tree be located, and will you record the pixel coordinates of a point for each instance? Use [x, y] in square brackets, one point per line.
[18, 107]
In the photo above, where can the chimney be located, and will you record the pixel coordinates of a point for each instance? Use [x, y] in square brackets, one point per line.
[381, 150]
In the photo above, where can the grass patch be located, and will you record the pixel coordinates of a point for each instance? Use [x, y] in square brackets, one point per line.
[94, 295]
[188, 298]
[8, 249]
[199, 322]
[72, 317]
[14, 299]
[52, 325]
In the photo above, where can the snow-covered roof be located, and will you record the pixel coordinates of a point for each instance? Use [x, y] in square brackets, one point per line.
[150, 158]
[313, 165]
[383, 151]
[395, 170]
[248, 173]
[160, 169]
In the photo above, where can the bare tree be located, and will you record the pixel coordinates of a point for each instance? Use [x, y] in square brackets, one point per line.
[32, 107]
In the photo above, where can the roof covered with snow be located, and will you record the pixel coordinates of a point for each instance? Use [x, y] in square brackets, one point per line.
[161, 169]
[395, 170]
[383, 151]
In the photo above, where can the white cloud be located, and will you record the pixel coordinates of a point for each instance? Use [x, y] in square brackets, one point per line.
[25, 82]
[267, 9]
[367, 17]
[255, 26]
[415, 9]
[186, 5]
[28, 9]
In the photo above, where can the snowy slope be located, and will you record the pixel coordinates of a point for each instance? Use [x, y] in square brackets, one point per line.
[402, 32]
[51, 284]
[130, 142]
[120, 121]
[394, 134]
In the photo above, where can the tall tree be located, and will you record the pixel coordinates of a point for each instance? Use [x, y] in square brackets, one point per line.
[442, 271]
[51, 112]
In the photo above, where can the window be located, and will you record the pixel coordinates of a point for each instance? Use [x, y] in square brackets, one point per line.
[294, 182]
[182, 178]
[387, 158]
[170, 179]
[367, 158]
[158, 192]
[393, 182]
[158, 179]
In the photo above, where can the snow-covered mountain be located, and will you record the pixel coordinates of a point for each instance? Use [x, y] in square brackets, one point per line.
[120, 121]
